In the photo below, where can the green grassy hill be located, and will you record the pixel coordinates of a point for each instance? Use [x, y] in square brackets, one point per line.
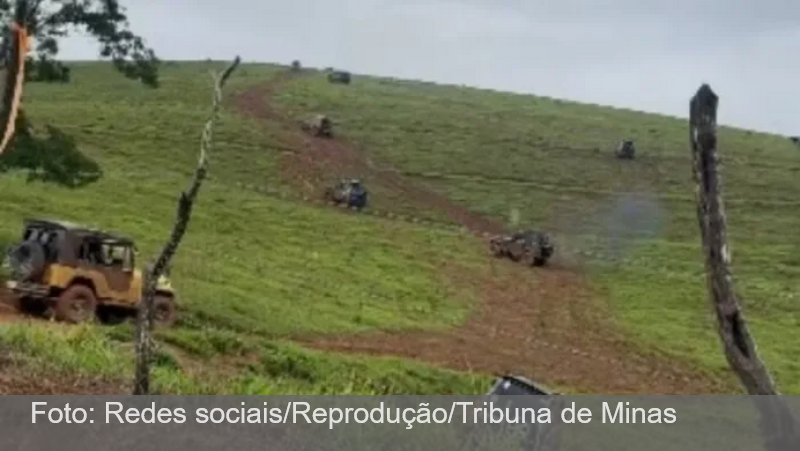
[553, 161]
[258, 266]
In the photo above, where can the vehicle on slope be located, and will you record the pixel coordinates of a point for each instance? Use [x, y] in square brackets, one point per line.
[339, 77]
[80, 273]
[530, 247]
[320, 126]
[626, 150]
[348, 192]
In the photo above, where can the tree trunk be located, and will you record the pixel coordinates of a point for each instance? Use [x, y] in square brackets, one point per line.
[777, 422]
[13, 49]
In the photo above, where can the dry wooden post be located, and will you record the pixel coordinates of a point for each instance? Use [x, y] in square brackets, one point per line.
[777, 422]
[144, 322]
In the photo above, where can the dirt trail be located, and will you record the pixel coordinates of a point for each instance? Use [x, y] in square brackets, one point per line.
[319, 159]
[545, 324]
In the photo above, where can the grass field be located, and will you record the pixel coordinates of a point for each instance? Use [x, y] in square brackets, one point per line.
[251, 267]
[254, 268]
[553, 161]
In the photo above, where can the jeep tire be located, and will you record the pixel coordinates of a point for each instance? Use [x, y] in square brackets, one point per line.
[77, 304]
[164, 313]
[528, 257]
[496, 249]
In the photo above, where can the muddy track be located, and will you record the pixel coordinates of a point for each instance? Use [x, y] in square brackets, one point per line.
[321, 160]
[546, 324]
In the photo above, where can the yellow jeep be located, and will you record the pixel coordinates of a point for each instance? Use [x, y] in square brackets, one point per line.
[79, 273]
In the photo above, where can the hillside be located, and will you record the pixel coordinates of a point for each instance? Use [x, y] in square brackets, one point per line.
[278, 291]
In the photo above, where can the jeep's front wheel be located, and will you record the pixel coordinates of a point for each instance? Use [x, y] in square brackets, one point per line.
[77, 304]
[164, 313]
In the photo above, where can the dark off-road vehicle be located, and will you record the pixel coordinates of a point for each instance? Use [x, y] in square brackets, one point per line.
[626, 150]
[530, 247]
[534, 436]
[78, 273]
[516, 385]
[320, 126]
[350, 193]
[339, 76]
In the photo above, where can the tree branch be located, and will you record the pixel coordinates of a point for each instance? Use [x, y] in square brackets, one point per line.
[185, 205]
[778, 424]
[15, 73]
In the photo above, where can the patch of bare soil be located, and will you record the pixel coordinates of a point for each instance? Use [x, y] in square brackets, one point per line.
[545, 324]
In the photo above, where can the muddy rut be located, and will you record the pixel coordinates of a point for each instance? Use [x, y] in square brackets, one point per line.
[543, 323]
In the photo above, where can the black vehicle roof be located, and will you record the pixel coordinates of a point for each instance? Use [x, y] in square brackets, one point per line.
[523, 383]
[77, 229]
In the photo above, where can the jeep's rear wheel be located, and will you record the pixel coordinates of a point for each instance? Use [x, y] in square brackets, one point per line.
[164, 313]
[514, 253]
[531, 257]
[496, 249]
[76, 304]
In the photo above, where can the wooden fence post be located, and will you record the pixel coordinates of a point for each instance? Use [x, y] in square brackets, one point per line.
[777, 422]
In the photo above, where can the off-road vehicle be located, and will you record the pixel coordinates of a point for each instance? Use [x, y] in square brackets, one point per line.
[339, 76]
[516, 385]
[530, 247]
[350, 193]
[626, 150]
[320, 126]
[78, 273]
[534, 436]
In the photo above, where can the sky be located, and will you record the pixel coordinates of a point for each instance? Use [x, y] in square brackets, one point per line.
[648, 55]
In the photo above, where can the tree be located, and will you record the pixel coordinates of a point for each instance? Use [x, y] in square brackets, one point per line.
[144, 320]
[47, 21]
